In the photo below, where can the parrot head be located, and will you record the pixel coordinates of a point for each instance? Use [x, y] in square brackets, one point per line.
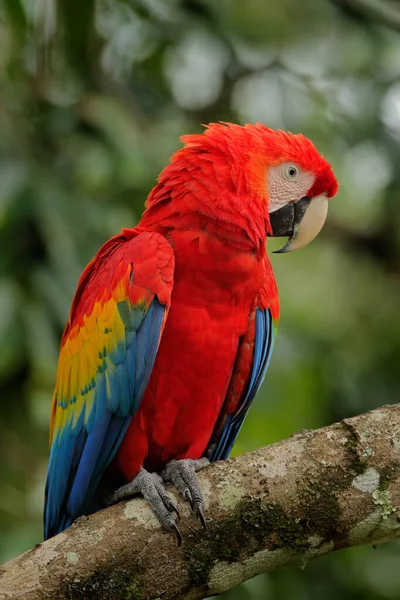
[285, 170]
[266, 182]
[299, 183]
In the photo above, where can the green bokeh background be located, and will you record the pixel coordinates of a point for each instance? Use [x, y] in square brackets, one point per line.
[93, 99]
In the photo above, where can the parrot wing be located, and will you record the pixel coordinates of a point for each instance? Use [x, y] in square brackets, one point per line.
[254, 353]
[106, 358]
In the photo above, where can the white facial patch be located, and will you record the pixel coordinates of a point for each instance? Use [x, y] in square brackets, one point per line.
[287, 183]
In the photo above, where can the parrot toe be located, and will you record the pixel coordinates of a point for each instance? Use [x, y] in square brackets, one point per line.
[150, 485]
[182, 473]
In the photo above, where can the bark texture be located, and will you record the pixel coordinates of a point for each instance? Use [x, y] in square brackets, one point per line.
[280, 506]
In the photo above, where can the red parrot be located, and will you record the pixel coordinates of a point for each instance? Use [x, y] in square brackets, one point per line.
[173, 322]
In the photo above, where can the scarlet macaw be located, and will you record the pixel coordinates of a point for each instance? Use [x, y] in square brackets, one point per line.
[173, 323]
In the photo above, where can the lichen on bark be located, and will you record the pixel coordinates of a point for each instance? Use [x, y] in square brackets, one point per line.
[276, 507]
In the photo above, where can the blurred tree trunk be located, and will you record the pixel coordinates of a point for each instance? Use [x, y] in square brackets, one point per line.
[280, 506]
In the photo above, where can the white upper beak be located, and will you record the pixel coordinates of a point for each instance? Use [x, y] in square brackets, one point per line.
[310, 225]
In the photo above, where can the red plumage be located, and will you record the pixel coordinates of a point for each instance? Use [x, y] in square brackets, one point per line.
[211, 204]
[208, 216]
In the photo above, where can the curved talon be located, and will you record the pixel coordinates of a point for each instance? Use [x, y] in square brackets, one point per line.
[150, 485]
[173, 508]
[200, 514]
[188, 496]
[182, 473]
[177, 533]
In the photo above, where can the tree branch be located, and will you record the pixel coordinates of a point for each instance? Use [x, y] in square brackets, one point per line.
[280, 506]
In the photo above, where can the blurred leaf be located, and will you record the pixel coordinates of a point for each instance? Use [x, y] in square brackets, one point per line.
[16, 14]
[78, 18]
[11, 336]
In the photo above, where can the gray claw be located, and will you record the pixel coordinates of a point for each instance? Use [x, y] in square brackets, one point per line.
[178, 534]
[182, 473]
[172, 507]
[200, 514]
[151, 487]
[188, 496]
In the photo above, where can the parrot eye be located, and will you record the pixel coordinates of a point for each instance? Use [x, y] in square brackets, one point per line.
[291, 172]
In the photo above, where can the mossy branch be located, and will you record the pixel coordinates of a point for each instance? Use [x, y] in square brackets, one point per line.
[280, 506]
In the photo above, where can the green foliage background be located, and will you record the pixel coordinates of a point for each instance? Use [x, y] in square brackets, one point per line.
[93, 99]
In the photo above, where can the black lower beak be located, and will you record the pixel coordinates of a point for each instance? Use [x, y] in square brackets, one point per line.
[285, 221]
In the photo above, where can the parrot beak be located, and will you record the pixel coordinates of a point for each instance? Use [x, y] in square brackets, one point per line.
[301, 221]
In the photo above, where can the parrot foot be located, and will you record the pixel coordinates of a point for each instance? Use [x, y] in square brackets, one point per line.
[182, 473]
[150, 485]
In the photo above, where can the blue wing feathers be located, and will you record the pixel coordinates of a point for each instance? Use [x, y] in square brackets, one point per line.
[113, 388]
[219, 450]
[153, 336]
[126, 389]
[116, 431]
[264, 341]
[87, 464]
[80, 454]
